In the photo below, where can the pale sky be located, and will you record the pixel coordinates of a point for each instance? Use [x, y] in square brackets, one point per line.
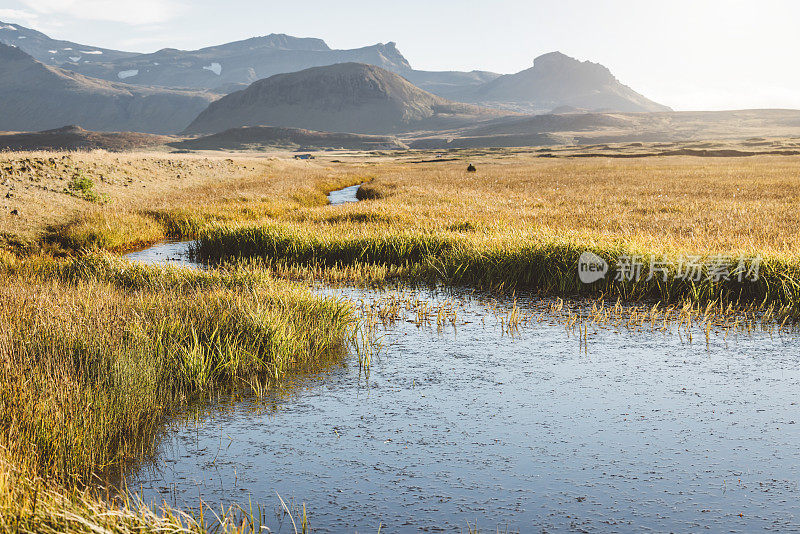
[700, 54]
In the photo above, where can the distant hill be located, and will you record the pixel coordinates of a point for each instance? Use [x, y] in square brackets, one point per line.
[559, 81]
[34, 96]
[262, 137]
[581, 129]
[76, 138]
[348, 97]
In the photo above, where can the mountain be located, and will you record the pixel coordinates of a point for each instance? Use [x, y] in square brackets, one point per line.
[34, 96]
[263, 137]
[228, 67]
[559, 81]
[348, 97]
[555, 80]
[235, 65]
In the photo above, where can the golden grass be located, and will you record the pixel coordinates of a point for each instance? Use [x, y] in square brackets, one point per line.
[675, 204]
[524, 223]
[37, 185]
[697, 205]
[96, 355]
[515, 202]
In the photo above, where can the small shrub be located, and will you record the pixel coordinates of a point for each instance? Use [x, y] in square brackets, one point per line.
[82, 186]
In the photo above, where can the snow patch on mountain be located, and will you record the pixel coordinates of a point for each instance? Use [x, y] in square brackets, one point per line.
[216, 68]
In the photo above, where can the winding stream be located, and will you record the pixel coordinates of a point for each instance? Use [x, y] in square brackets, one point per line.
[177, 252]
[465, 424]
[166, 253]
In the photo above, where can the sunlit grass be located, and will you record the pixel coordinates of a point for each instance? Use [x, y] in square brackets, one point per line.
[524, 224]
[98, 354]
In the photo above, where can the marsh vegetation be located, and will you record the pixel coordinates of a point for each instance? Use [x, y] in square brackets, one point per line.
[98, 354]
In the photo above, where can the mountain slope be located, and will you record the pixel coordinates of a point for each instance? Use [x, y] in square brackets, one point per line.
[223, 66]
[348, 97]
[34, 96]
[53, 51]
[557, 80]
[238, 63]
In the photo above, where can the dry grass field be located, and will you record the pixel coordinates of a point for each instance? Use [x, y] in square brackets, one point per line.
[672, 204]
[45, 194]
[522, 222]
[43, 190]
[689, 204]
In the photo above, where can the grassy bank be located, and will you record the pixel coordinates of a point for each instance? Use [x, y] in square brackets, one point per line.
[97, 355]
[549, 267]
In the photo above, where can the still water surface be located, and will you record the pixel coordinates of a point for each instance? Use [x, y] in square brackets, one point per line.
[637, 431]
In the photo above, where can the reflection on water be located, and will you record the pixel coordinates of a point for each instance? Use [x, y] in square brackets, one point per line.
[533, 432]
[166, 253]
[343, 196]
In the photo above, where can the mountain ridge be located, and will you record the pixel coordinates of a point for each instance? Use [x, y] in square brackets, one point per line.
[557, 80]
[229, 67]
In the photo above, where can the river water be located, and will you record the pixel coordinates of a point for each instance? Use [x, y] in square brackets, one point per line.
[343, 196]
[463, 424]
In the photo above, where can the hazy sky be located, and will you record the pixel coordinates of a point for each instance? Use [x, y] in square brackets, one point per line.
[698, 54]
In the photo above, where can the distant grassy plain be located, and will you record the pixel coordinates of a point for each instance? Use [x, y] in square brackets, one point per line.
[520, 222]
[96, 354]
